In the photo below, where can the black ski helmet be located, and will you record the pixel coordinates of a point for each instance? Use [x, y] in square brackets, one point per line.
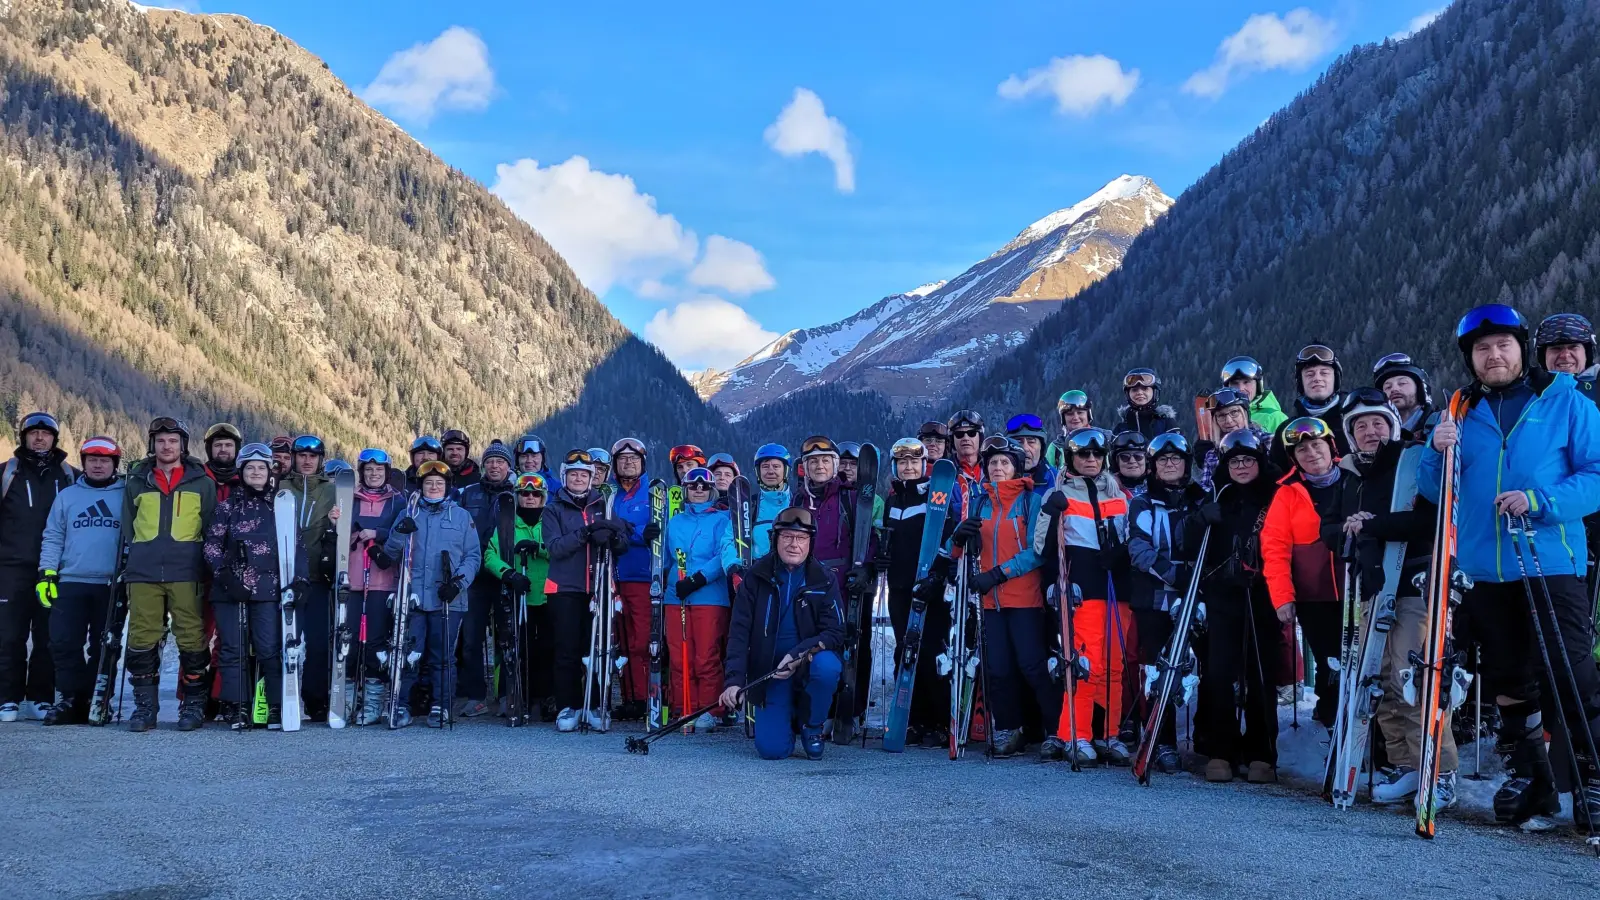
[1490, 318]
[999, 444]
[1564, 328]
[1394, 364]
[1316, 354]
[169, 425]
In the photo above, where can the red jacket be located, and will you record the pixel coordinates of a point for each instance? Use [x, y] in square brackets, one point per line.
[1297, 563]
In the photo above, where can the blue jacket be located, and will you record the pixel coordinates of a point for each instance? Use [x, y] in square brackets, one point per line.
[633, 507]
[705, 535]
[482, 501]
[768, 505]
[1552, 453]
[440, 529]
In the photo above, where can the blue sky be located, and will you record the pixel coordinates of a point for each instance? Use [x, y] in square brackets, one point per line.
[719, 173]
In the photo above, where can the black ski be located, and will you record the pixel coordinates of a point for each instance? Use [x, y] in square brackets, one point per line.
[844, 704]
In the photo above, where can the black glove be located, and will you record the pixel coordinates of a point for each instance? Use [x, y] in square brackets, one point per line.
[448, 591]
[516, 581]
[227, 586]
[969, 534]
[528, 548]
[406, 525]
[1201, 448]
[929, 589]
[687, 586]
[1115, 557]
[651, 531]
[857, 578]
[599, 533]
[1211, 514]
[300, 586]
[984, 582]
[379, 558]
[1055, 504]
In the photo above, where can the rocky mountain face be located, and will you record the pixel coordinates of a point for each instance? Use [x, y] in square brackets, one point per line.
[914, 346]
[197, 218]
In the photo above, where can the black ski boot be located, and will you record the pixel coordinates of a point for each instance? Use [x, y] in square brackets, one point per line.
[64, 712]
[192, 709]
[144, 677]
[1530, 792]
[1008, 742]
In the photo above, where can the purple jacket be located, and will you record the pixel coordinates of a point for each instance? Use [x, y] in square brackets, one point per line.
[831, 508]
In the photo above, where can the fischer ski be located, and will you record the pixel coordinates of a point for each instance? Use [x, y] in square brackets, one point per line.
[344, 486]
[845, 718]
[658, 586]
[286, 513]
[940, 486]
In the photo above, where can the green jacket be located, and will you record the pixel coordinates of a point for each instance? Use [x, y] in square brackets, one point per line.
[1265, 411]
[535, 567]
[316, 529]
[166, 532]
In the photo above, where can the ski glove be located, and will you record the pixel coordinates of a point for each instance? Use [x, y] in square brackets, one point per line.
[599, 533]
[1115, 558]
[379, 558]
[984, 582]
[227, 586]
[1211, 514]
[969, 534]
[46, 588]
[407, 525]
[857, 578]
[1055, 504]
[528, 548]
[687, 586]
[651, 532]
[448, 591]
[516, 581]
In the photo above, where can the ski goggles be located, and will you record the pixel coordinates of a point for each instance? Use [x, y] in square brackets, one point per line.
[309, 443]
[281, 444]
[1129, 441]
[909, 448]
[100, 445]
[1315, 353]
[158, 425]
[1139, 378]
[795, 518]
[626, 445]
[533, 445]
[41, 420]
[1240, 367]
[1494, 315]
[531, 483]
[427, 442]
[934, 429]
[1391, 361]
[579, 457]
[722, 459]
[1242, 441]
[256, 452]
[698, 477]
[1073, 400]
[818, 445]
[686, 451]
[1087, 442]
[373, 455]
[600, 455]
[433, 467]
[966, 422]
[1224, 398]
[1024, 422]
[1169, 442]
[1305, 428]
[1365, 396]
[455, 436]
[849, 450]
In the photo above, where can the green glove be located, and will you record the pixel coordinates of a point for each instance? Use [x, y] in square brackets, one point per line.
[46, 588]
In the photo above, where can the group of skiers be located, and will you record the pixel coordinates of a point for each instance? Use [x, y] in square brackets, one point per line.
[1070, 566]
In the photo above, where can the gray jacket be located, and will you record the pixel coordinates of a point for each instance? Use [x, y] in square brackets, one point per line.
[83, 532]
[445, 528]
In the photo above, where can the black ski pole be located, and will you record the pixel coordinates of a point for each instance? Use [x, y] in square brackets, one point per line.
[642, 744]
[447, 653]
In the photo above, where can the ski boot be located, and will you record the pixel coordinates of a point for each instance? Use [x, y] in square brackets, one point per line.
[567, 720]
[1116, 752]
[1261, 772]
[1053, 749]
[143, 667]
[1082, 752]
[935, 739]
[274, 718]
[402, 717]
[705, 724]
[630, 711]
[372, 694]
[1008, 742]
[1395, 785]
[62, 713]
[192, 709]
[1444, 791]
[1528, 797]
[438, 717]
[811, 740]
[1167, 760]
[1219, 770]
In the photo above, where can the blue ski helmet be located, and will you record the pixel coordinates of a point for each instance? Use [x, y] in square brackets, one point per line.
[774, 451]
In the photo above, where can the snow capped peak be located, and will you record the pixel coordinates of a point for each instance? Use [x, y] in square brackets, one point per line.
[926, 289]
[1123, 187]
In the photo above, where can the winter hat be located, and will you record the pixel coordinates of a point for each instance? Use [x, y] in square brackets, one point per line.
[498, 450]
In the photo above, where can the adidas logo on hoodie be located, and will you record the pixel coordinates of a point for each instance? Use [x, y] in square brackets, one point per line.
[98, 515]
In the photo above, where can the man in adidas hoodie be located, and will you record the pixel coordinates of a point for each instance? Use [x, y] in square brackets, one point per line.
[28, 485]
[77, 562]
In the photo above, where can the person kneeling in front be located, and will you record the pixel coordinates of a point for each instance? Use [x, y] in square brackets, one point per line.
[787, 607]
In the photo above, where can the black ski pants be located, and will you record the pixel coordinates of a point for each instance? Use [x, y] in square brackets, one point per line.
[313, 615]
[482, 598]
[24, 676]
[77, 621]
[1240, 658]
[534, 646]
[1153, 629]
[370, 622]
[1016, 652]
[265, 637]
[930, 701]
[1322, 629]
[570, 621]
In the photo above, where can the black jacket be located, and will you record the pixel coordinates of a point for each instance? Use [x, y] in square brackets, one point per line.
[481, 499]
[1370, 489]
[1158, 541]
[26, 505]
[1333, 416]
[905, 511]
[753, 627]
[1147, 420]
[1232, 568]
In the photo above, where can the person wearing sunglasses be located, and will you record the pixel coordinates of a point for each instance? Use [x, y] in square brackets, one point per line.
[1529, 447]
[966, 435]
[1143, 412]
[425, 448]
[577, 528]
[376, 506]
[936, 437]
[1229, 409]
[481, 498]
[445, 558]
[772, 494]
[168, 501]
[1300, 556]
[1317, 373]
[1406, 387]
[35, 474]
[1027, 430]
[1130, 457]
[522, 567]
[630, 504]
[458, 455]
[905, 517]
[787, 609]
[1087, 511]
[1074, 411]
[1246, 376]
[700, 551]
[1243, 653]
[1161, 562]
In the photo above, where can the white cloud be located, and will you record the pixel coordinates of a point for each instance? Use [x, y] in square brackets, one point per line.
[732, 266]
[805, 127]
[1417, 24]
[1265, 42]
[706, 331]
[600, 223]
[1080, 84]
[449, 72]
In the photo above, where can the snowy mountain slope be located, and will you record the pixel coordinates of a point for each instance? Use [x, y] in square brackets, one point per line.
[913, 346]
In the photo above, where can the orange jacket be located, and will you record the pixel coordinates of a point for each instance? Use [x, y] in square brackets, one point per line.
[1293, 555]
[1007, 511]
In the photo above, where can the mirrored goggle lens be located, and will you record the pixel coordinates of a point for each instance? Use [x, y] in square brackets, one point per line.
[1490, 314]
[1392, 359]
[1171, 442]
[580, 456]
[1025, 422]
[307, 443]
[1304, 429]
[1240, 367]
[1073, 400]
[1315, 353]
[373, 455]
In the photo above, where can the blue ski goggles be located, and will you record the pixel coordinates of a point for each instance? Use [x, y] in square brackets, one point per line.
[699, 475]
[1496, 315]
[1169, 442]
[373, 455]
[309, 443]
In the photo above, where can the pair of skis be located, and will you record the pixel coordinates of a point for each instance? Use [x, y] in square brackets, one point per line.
[344, 486]
[960, 660]
[742, 514]
[655, 708]
[845, 718]
[401, 651]
[606, 659]
[513, 658]
[1176, 665]
[105, 675]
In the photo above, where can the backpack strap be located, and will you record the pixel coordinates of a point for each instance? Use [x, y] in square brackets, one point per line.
[5, 479]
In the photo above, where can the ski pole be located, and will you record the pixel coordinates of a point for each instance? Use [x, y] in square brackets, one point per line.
[641, 745]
